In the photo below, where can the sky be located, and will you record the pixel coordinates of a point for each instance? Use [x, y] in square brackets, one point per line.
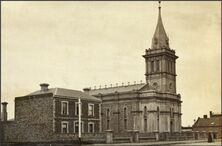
[76, 44]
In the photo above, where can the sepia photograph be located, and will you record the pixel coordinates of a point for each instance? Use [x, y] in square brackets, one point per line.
[110, 73]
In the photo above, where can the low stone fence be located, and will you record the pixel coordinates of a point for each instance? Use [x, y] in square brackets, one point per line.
[189, 135]
[147, 137]
[135, 136]
[85, 137]
[121, 137]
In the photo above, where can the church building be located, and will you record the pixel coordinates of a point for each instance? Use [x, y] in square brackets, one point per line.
[154, 106]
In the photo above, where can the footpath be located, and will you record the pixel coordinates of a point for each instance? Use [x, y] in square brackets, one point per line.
[162, 143]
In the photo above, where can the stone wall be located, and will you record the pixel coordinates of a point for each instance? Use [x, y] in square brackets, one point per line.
[33, 120]
[117, 115]
[86, 137]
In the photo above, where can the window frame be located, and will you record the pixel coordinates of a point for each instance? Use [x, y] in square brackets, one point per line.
[64, 122]
[93, 109]
[67, 102]
[93, 130]
[77, 108]
[74, 126]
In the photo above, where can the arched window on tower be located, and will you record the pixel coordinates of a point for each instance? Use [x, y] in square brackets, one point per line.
[108, 119]
[157, 65]
[152, 66]
[145, 118]
[170, 66]
[171, 112]
[145, 111]
[125, 117]
[167, 64]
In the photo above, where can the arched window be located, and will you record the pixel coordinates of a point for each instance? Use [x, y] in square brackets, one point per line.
[125, 117]
[145, 118]
[158, 117]
[157, 65]
[145, 111]
[171, 112]
[152, 66]
[170, 66]
[158, 113]
[108, 119]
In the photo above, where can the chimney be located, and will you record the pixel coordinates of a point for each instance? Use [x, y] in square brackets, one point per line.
[44, 86]
[205, 116]
[4, 111]
[86, 90]
[211, 114]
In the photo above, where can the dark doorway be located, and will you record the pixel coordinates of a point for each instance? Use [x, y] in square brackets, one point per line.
[171, 126]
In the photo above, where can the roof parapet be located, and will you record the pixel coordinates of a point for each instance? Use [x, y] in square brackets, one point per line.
[117, 85]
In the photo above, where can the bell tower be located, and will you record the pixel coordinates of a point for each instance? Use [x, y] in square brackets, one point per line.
[160, 61]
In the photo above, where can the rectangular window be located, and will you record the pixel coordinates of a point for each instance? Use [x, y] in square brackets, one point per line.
[77, 108]
[90, 109]
[152, 66]
[65, 127]
[91, 127]
[64, 107]
[76, 127]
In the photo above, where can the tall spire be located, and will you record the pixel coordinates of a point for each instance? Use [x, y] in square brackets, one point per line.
[160, 38]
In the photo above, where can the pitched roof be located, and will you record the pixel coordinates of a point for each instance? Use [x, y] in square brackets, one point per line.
[212, 121]
[119, 89]
[65, 93]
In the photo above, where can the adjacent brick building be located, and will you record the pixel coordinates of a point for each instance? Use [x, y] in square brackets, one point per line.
[51, 115]
[209, 124]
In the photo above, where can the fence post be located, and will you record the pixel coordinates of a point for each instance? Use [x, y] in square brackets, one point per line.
[109, 136]
[157, 136]
[135, 136]
[166, 135]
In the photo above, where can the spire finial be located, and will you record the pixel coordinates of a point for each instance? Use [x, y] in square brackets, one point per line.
[159, 5]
